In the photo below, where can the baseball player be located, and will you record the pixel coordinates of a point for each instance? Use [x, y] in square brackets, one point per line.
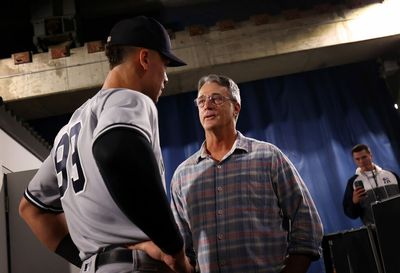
[100, 195]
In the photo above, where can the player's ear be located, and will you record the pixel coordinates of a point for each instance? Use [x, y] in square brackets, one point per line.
[144, 58]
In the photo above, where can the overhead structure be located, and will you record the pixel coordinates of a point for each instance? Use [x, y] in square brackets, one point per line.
[260, 47]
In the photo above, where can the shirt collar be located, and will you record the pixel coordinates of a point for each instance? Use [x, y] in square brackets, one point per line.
[376, 167]
[241, 144]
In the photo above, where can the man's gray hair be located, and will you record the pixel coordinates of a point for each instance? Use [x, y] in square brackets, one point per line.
[224, 81]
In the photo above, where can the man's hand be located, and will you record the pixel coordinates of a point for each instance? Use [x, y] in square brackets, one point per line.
[358, 194]
[178, 263]
[150, 248]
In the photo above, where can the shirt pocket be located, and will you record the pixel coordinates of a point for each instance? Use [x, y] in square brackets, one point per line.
[259, 197]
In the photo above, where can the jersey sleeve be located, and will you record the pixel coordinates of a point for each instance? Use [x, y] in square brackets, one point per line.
[127, 108]
[43, 190]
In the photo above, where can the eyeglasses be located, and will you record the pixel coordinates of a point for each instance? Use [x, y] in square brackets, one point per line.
[216, 99]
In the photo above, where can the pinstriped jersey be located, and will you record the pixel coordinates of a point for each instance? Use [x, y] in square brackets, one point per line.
[69, 180]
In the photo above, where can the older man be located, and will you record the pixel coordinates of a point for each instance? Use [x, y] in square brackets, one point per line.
[239, 202]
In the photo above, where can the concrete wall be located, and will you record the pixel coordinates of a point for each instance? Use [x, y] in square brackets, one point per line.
[15, 157]
[283, 45]
[247, 42]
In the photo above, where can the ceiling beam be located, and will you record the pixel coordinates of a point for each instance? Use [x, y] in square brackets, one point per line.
[247, 52]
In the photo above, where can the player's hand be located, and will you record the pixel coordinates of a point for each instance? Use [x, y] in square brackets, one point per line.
[358, 194]
[150, 248]
[178, 263]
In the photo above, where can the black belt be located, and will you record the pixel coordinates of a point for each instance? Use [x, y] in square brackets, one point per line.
[114, 256]
[138, 258]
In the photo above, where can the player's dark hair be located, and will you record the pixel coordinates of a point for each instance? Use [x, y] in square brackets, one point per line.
[359, 148]
[117, 53]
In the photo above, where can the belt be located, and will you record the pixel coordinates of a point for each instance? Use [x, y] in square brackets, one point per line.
[139, 259]
[114, 256]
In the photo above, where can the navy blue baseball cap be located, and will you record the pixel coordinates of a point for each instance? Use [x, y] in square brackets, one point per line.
[144, 32]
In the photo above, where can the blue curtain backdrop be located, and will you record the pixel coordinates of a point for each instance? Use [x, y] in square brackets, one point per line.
[314, 117]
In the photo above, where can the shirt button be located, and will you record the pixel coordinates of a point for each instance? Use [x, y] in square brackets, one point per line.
[219, 188]
[220, 236]
[219, 166]
[220, 212]
[222, 263]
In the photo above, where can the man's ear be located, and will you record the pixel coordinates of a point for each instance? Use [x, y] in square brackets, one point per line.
[144, 58]
[237, 108]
